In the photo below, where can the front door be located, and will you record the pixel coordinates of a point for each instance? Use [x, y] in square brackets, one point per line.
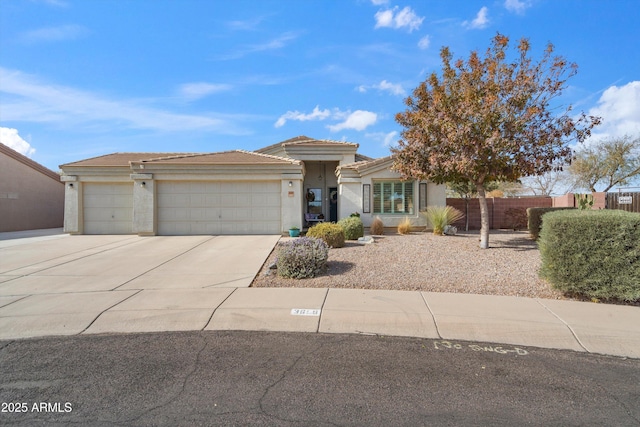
[333, 204]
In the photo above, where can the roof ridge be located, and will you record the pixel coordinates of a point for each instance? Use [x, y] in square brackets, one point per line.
[364, 163]
[171, 156]
[270, 156]
[332, 141]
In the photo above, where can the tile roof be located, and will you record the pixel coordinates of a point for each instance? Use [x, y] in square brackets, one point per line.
[366, 164]
[119, 159]
[305, 140]
[224, 157]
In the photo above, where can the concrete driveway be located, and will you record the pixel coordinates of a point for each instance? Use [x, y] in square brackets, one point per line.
[62, 284]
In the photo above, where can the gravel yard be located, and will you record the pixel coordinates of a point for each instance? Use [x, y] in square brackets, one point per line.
[422, 261]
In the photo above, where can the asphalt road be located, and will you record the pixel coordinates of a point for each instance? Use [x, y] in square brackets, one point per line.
[259, 378]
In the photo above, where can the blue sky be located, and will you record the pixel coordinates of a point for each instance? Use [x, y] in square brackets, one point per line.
[81, 78]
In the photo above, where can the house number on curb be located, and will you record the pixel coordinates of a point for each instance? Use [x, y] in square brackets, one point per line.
[444, 345]
[305, 312]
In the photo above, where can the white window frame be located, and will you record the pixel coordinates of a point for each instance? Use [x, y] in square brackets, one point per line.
[394, 187]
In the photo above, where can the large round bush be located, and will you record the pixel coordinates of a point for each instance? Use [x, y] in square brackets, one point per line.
[331, 233]
[592, 253]
[353, 227]
[302, 258]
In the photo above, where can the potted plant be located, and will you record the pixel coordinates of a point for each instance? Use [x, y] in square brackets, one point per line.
[294, 232]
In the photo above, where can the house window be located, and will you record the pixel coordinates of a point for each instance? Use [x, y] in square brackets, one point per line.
[393, 197]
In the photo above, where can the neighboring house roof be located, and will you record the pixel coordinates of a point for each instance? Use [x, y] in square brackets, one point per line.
[28, 162]
[303, 140]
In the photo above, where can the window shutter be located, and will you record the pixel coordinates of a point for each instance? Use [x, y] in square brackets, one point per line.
[422, 199]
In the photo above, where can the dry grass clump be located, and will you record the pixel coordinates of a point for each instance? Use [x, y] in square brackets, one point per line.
[377, 227]
[405, 226]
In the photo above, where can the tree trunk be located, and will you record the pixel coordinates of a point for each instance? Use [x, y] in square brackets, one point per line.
[484, 217]
[466, 213]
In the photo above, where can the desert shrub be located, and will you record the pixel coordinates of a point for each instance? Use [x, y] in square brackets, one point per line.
[592, 253]
[331, 233]
[441, 216]
[377, 227]
[516, 218]
[534, 219]
[302, 258]
[405, 226]
[353, 227]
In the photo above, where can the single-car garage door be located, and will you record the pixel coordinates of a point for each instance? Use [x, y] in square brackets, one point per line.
[218, 207]
[108, 208]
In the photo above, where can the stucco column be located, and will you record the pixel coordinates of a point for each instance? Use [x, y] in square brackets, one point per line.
[144, 204]
[72, 204]
[291, 201]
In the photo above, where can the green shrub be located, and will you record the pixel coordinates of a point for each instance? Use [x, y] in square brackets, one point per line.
[353, 227]
[592, 253]
[534, 219]
[331, 233]
[441, 216]
[377, 227]
[302, 258]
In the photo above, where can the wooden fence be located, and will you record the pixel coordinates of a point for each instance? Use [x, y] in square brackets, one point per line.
[624, 200]
[503, 211]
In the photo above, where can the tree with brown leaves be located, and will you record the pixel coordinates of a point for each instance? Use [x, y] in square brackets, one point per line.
[487, 119]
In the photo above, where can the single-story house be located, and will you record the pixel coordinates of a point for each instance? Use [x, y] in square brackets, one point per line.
[294, 183]
[31, 195]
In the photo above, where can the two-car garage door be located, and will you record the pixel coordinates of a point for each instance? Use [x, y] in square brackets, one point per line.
[185, 208]
[218, 207]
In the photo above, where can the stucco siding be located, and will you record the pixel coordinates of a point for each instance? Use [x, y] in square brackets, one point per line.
[29, 199]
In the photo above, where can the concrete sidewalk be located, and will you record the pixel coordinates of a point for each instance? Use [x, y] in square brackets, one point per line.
[578, 326]
[67, 285]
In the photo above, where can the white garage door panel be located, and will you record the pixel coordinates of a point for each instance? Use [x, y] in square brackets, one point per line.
[219, 208]
[108, 208]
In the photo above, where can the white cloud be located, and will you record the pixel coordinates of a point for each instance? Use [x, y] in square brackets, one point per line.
[424, 42]
[56, 3]
[273, 44]
[619, 108]
[379, 2]
[358, 120]
[54, 34]
[480, 21]
[387, 139]
[11, 139]
[193, 91]
[29, 100]
[516, 6]
[316, 114]
[384, 86]
[405, 18]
